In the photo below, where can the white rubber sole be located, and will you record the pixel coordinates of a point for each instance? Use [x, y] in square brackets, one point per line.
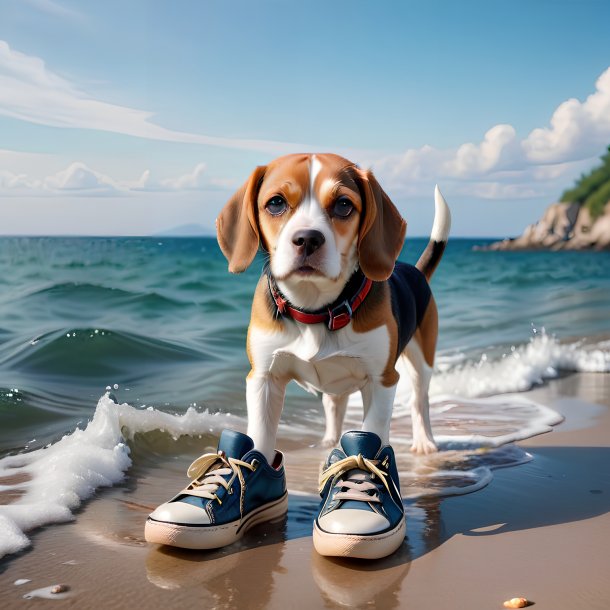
[212, 536]
[374, 546]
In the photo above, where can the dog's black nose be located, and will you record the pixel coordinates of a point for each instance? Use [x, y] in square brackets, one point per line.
[308, 240]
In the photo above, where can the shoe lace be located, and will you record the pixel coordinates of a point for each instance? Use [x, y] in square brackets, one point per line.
[357, 483]
[208, 472]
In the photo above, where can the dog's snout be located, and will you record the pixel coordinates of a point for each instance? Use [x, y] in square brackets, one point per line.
[308, 240]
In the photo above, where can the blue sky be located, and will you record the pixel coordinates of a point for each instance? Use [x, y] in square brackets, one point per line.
[135, 117]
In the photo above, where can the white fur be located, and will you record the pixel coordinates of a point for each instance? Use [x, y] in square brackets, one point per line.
[442, 218]
[334, 410]
[309, 215]
[413, 363]
[335, 364]
[314, 169]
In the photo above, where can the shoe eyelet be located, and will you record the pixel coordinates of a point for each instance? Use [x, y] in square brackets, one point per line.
[254, 463]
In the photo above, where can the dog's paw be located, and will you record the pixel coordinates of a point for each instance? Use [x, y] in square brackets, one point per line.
[328, 442]
[424, 446]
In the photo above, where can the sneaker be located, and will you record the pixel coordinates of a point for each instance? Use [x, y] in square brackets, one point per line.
[230, 492]
[361, 514]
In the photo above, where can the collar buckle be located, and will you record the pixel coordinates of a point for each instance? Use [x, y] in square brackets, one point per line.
[339, 316]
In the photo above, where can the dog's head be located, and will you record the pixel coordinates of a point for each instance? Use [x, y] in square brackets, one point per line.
[319, 217]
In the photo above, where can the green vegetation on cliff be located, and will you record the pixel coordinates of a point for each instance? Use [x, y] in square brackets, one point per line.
[592, 190]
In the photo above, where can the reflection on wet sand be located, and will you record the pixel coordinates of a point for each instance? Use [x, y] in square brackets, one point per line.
[357, 583]
[241, 576]
[278, 560]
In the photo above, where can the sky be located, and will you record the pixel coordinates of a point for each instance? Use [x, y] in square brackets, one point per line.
[132, 118]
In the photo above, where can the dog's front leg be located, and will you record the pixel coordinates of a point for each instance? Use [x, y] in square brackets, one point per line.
[334, 409]
[378, 401]
[265, 399]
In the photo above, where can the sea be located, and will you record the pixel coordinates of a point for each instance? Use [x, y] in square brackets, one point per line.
[117, 352]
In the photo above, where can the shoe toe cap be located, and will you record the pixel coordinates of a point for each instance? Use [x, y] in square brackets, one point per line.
[180, 512]
[353, 521]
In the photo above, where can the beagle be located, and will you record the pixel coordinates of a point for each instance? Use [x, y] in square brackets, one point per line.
[333, 310]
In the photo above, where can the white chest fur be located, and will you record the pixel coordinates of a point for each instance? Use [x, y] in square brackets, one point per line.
[320, 360]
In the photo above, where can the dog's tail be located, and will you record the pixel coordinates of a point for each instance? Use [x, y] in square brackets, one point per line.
[431, 256]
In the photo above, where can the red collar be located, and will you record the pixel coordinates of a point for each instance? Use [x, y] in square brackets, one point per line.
[336, 315]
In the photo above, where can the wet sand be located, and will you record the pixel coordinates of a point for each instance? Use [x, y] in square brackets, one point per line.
[539, 530]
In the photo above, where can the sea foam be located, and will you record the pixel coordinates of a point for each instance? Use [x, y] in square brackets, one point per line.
[521, 368]
[53, 481]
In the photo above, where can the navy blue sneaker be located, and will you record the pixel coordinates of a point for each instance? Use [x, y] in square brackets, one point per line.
[230, 492]
[361, 514]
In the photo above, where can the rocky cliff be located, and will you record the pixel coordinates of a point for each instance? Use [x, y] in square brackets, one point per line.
[564, 226]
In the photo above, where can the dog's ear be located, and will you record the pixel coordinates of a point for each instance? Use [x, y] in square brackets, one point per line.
[382, 230]
[237, 225]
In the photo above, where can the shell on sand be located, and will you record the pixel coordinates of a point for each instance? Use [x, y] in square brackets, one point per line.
[516, 602]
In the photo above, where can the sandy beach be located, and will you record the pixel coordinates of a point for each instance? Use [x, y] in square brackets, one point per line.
[539, 530]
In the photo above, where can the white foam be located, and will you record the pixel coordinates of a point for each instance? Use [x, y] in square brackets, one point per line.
[521, 368]
[435, 484]
[491, 422]
[62, 475]
[474, 435]
[460, 422]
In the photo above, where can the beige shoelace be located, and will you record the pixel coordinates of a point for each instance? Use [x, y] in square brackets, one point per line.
[205, 480]
[356, 484]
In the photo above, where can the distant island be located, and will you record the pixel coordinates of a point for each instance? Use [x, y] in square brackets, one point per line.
[188, 230]
[579, 221]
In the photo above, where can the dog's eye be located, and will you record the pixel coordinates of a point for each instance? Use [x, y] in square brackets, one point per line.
[343, 207]
[276, 205]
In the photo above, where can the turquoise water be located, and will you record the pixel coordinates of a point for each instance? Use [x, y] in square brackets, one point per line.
[164, 320]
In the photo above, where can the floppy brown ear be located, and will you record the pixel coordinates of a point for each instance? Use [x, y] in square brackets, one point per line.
[236, 225]
[382, 230]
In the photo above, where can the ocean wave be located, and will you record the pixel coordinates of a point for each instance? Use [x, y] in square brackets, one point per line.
[95, 352]
[54, 481]
[99, 295]
[521, 368]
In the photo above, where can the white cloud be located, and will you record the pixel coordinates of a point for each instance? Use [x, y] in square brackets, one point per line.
[30, 91]
[16, 182]
[79, 177]
[144, 183]
[502, 166]
[499, 149]
[577, 130]
[192, 181]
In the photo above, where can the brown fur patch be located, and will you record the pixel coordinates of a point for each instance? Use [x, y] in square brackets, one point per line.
[427, 332]
[374, 312]
[382, 232]
[262, 314]
[237, 227]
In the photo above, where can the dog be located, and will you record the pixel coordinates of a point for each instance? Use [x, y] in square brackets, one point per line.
[333, 310]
